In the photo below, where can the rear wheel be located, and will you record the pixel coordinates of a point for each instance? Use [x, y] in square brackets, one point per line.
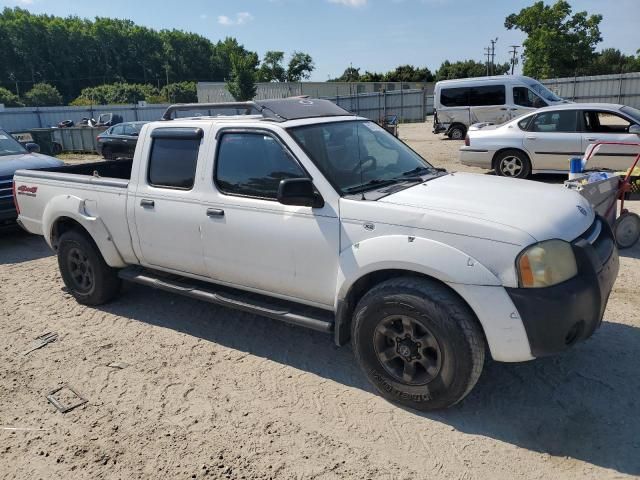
[418, 343]
[89, 279]
[457, 132]
[107, 154]
[512, 163]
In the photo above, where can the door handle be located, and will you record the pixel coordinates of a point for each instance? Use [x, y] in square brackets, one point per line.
[504, 108]
[215, 212]
[531, 137]
[591, 139]
[147, 203]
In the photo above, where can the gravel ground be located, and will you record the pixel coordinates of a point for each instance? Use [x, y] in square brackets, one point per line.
[208, 392]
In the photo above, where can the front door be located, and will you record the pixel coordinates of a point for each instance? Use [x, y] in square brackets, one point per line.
[552, 139]
[607, 126]
[250, 239]
[167, 208]
[524, 101]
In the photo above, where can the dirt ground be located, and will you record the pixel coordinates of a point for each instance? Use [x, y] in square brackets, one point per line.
[207, 392]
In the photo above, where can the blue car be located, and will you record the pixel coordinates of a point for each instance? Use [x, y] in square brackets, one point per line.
[14, 156]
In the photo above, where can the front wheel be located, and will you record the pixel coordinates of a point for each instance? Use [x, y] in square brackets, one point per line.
[418, 343]
[89, 279]
[512, 163]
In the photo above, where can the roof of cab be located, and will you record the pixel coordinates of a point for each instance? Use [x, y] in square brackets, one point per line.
[280, 110]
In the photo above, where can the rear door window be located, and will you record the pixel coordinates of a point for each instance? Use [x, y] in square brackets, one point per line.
[489, 95]
[558, 121]
[454, 97]
[172, 163]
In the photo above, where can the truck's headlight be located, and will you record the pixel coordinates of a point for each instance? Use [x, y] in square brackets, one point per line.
[546, 263]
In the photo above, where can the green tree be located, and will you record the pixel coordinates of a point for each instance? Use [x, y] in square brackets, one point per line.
[182, 92]
[409, 73]
[558, 43]
[350, 74]
[612, 60]
[9, 99]
[242, 84]
[271, 69]
[43, 95]
[116, 93]
[467, 69]
[300, 67]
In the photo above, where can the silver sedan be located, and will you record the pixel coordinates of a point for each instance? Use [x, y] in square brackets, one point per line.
[545, 140]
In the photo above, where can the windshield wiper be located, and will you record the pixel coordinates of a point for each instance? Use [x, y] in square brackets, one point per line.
[419, 170]
[376, 182]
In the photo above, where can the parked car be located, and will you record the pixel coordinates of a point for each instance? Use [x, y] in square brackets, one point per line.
[120, 140]
[305, 213]
[463, 102]
[15, 156]
[544, 141]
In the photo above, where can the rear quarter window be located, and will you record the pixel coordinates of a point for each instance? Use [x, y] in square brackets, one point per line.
[454, 97]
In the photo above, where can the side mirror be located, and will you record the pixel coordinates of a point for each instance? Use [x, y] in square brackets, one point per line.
[634, 129]
[299, 192]
[32, 147]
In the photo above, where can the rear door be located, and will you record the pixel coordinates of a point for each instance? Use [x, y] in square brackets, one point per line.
[488, 104]
[552, 139]
[608, 126]
[166, 205]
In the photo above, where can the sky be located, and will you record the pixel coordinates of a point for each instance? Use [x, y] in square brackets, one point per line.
[375, 35]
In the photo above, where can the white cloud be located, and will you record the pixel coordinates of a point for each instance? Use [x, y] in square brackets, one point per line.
[350, 3]
[241, 18]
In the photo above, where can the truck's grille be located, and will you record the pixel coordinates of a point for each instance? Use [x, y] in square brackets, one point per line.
[6, 192]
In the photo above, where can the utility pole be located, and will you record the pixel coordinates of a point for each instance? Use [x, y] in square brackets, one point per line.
[493, 55]
[487, 54]
[514, 56]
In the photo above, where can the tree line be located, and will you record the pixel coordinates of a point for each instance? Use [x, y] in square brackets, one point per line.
[74, 56]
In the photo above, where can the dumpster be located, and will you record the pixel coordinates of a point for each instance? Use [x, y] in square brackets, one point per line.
[78, 139]
[43, 137]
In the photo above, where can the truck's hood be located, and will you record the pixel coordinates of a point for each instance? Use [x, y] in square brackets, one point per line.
[540, 210]
[10, 163]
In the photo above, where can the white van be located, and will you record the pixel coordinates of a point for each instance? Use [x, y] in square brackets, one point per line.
[463, 102]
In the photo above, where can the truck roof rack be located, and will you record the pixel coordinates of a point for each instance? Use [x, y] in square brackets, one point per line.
[279, 110]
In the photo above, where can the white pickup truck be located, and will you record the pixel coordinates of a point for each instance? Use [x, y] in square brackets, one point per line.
[297, 210]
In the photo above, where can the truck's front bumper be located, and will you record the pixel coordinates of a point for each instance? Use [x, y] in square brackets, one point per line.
[560, 316]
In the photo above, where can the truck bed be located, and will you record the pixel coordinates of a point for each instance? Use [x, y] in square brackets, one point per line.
[105, 169]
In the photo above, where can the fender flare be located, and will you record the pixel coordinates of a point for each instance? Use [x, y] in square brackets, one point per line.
[76, 209]
[407, 253]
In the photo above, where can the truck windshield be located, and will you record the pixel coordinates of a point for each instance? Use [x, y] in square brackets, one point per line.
[359, 155]
[9, 145]
[543, 91]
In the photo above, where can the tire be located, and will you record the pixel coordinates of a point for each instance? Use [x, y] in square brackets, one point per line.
[107, 154]
[445, 370]
[626, 230]
[513, 164]
[457, 132]
[89, 279]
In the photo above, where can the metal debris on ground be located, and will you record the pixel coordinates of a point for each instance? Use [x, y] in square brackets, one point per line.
[118, 365]
[67, 398]
[41, 341]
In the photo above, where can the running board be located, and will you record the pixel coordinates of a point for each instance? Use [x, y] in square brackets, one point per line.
[289, 312]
